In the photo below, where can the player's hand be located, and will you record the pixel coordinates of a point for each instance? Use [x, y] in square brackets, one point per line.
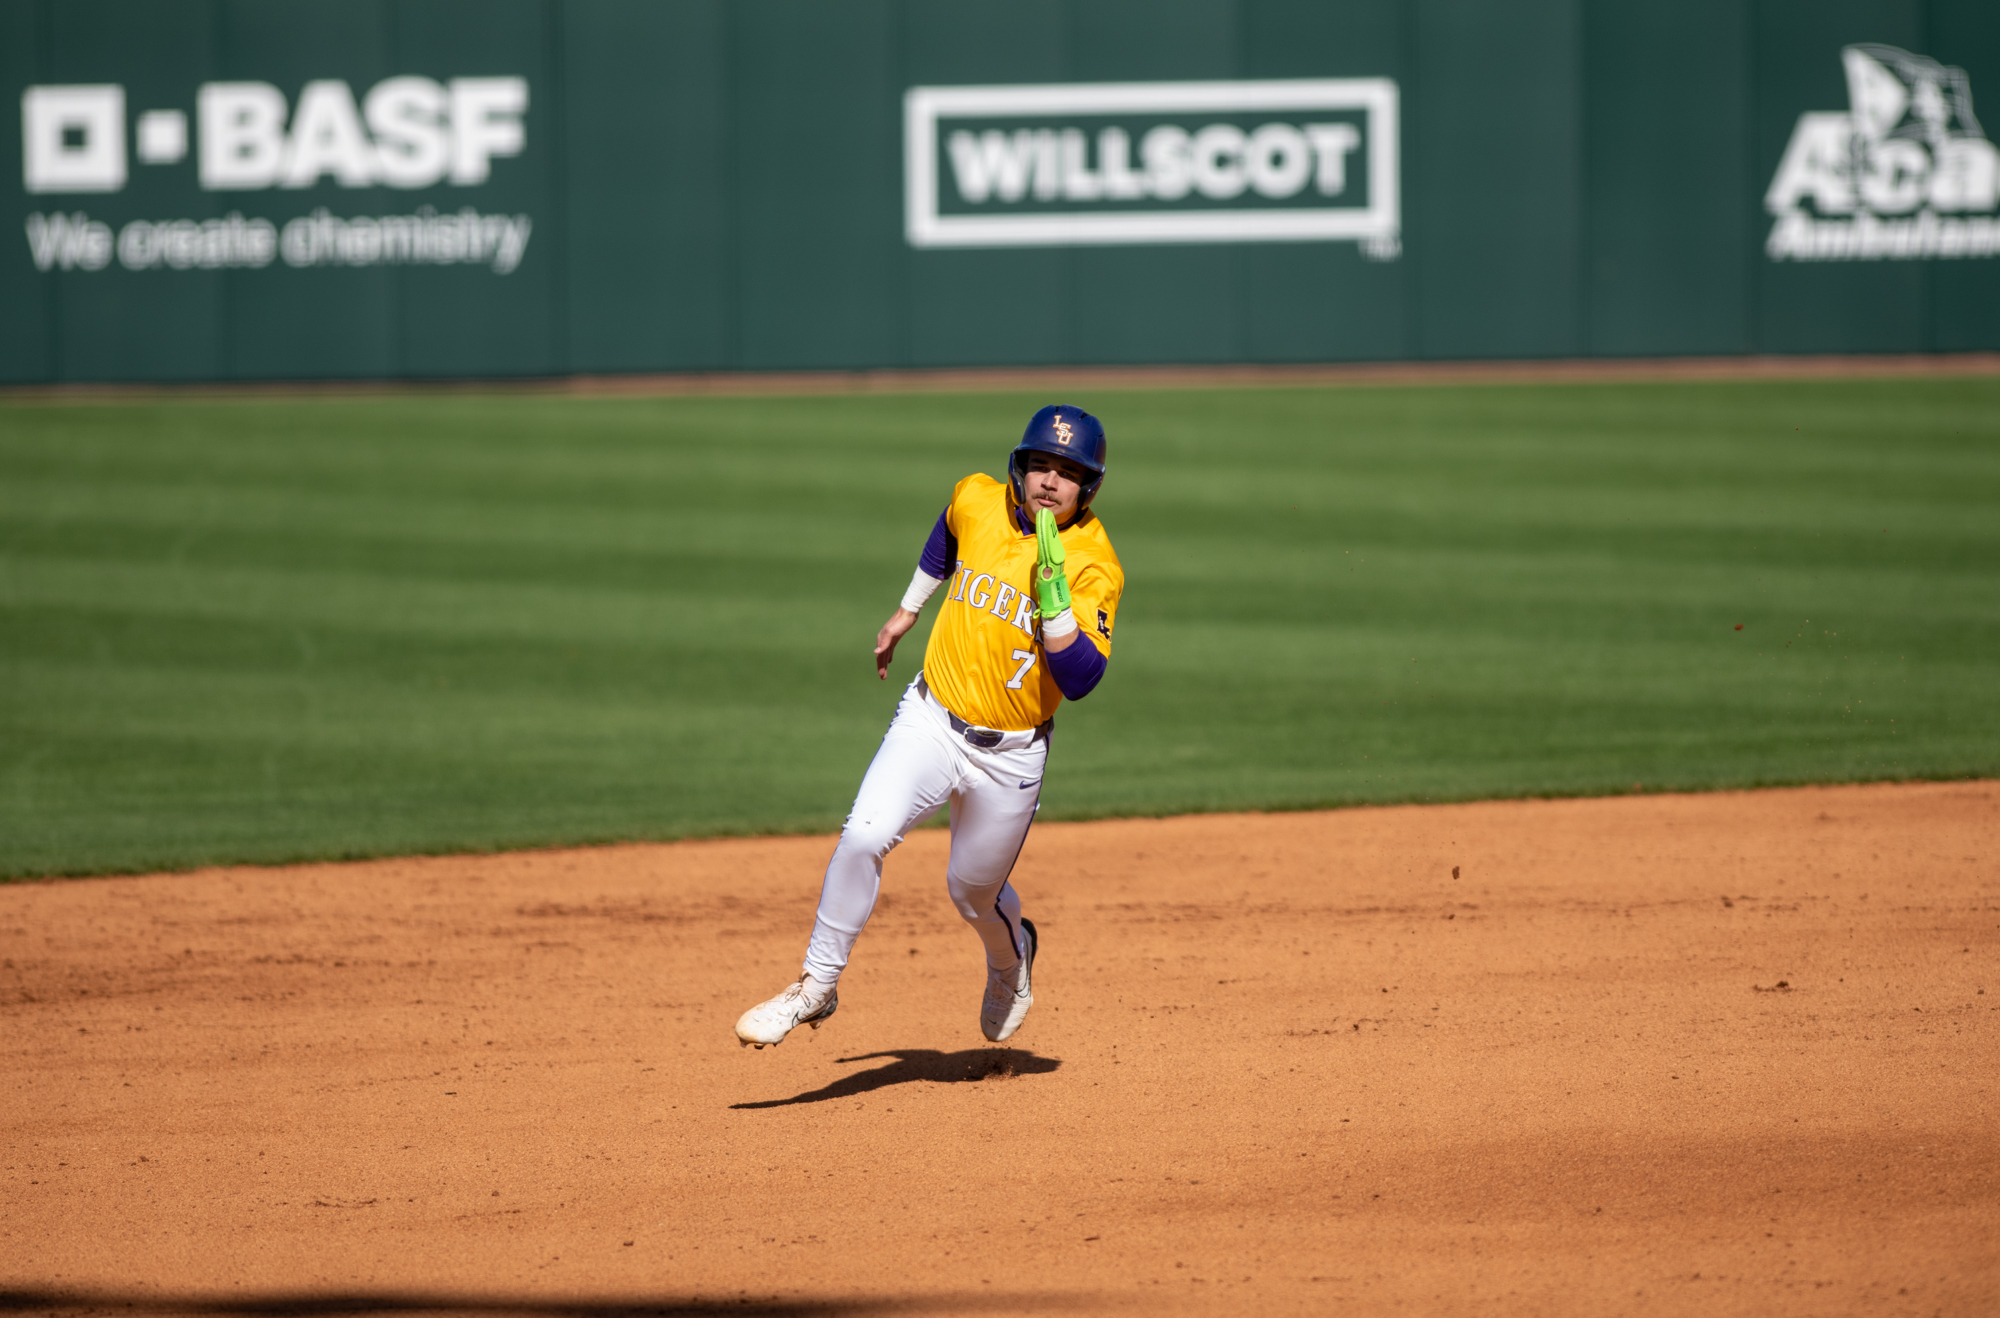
[885, 640]
[1051, 580]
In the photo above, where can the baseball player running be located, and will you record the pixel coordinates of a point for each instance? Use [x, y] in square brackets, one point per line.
[1026, 622]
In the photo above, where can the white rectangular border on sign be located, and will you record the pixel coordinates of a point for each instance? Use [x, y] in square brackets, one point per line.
[1380, 220]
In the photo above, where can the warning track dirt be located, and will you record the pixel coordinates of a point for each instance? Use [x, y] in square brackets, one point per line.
[1728, 1054]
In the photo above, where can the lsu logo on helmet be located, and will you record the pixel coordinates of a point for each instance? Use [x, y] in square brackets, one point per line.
[1064, 431]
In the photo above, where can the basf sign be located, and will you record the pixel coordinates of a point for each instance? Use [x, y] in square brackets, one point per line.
[1161, 162]
[408, 132]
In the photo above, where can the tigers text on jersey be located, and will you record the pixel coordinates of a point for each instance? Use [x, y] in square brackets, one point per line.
[985, 661]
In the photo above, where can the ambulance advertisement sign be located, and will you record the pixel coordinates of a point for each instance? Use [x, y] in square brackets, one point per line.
[1904, 173]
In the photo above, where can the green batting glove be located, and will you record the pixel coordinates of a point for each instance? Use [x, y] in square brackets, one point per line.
[1051, 582]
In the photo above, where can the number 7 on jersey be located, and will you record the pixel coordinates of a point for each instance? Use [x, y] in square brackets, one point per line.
[1027, 658]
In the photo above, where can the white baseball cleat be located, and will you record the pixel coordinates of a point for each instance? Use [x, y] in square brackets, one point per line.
[1009, 993]
[770, 1022]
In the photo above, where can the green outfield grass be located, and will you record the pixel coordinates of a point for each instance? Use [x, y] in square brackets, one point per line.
[266, 631]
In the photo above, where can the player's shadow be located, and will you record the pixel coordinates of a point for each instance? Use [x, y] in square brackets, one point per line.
[913, 1064]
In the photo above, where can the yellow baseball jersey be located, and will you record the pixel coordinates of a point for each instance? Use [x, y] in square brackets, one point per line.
[985, 662]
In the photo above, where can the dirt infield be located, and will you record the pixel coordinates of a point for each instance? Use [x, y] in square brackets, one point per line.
[1726, 1054]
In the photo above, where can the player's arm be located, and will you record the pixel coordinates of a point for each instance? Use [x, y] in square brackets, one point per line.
[1075, 661]
[933, 566]
[1077, 658]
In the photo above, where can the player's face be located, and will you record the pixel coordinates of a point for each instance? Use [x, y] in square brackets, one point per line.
[1053, 483]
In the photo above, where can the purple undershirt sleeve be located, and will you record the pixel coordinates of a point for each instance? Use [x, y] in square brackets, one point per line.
[940, 551]
[1077, 667]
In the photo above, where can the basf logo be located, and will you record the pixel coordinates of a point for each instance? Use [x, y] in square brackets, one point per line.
[1057, 165]
[1904, 173]
[406, 132]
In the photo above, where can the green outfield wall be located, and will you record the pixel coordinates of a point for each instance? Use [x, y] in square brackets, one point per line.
[257, 189]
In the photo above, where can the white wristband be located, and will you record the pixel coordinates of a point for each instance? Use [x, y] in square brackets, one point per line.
[1061, 625]
[922, 586]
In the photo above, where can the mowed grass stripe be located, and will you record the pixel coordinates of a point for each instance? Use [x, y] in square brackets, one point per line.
[291, 629]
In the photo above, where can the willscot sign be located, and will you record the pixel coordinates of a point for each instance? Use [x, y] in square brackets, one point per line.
[1101, 164]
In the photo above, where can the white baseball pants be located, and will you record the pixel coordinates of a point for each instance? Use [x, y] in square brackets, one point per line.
[922, 765]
